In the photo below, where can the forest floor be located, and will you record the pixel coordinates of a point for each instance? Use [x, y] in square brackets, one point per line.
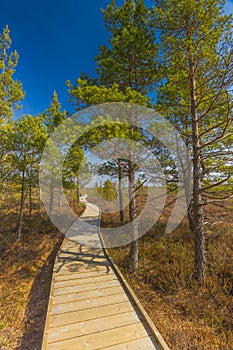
[188, 316]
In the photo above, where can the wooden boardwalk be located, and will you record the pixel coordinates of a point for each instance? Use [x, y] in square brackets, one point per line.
[90, 306]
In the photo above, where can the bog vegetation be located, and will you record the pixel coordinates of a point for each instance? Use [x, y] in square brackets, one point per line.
[182, 50]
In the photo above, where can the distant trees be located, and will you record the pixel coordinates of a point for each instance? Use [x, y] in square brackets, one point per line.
[115, 169]
[108, 191]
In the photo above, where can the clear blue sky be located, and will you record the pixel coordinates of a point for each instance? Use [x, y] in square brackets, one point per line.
[56, 41]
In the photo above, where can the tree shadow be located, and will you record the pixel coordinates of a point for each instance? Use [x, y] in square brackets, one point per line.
[36, 312]
[75, 261]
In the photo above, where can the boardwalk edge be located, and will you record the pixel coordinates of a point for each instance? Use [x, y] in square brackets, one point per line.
[135, 299]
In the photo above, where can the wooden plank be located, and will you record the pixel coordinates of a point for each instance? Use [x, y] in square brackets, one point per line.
[76, 266]
[97, 313]
[88, 304]
[67, 298]
[73, 247]
[87, 252]
[89, 260]
[103, 339]
[76, 255]
[85, 280]
[80, 267]
[85, 287]
[147, 343]
[92, 326]
[79, 275]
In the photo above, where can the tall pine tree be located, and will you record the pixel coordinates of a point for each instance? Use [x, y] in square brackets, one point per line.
[129, 59]
[11, 91]
[196, 60]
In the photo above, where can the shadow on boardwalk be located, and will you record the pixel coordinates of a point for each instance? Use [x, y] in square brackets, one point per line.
[74, 261]
[35, 316]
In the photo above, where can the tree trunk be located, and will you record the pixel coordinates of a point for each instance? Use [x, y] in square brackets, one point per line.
[187, 176]
[51, 204]
[77, 192]
[71, 197]
[197, 213]
[188, 194]
[191, 218]
[22, 199]
[30, 199]
[133, 262]
[121, 201]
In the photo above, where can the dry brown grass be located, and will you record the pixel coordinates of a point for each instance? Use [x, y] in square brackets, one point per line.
[21, 263]
[26, 269]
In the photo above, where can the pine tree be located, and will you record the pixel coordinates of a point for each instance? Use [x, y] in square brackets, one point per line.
[196, 59]
[129, 59]
[116, 169]
[11, 91]
[52, 118]
[24, 147]
[109, 191]
[94, 95]
[127, 72]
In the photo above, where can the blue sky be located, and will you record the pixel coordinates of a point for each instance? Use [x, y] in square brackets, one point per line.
[56, 41]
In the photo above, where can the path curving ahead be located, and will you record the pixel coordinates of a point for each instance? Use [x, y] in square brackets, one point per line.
[90, 305]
